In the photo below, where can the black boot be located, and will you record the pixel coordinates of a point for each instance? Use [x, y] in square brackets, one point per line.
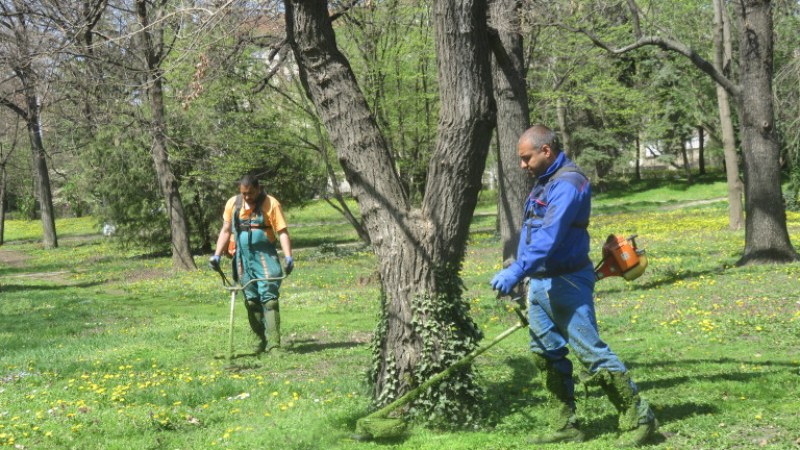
[557, 379]
[637, 423]
[255, 315]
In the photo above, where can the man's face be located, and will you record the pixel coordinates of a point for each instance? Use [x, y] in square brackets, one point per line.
[534, 160]
[249, 193]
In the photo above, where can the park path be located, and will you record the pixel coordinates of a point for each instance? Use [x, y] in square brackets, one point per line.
[18, 260]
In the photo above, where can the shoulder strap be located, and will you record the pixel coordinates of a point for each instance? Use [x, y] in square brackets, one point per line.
[562, 171]
[237, 207]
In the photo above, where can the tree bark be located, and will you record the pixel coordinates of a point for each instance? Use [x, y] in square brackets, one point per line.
[340, 205]
[564, 131]
[152, 38]
[766, 235]
[687, 168]
[638, 166]
[425, 326]
[701, 151]
[510, 93]
[3, 178]
[49, 239]
[722, 60]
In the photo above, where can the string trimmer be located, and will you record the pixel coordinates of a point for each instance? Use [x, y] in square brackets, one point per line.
[235, 289]
[379, 425]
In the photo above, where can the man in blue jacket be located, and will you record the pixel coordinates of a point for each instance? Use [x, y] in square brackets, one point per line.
[554, 253]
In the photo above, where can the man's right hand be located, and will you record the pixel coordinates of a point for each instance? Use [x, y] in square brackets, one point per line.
[213, 263]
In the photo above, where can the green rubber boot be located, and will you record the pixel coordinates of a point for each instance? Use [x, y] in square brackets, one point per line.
[272, 322]
[561, 389]
[255, 315]
[637, 423]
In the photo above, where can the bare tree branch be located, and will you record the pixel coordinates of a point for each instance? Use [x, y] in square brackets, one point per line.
[9, 104]
[671, 45]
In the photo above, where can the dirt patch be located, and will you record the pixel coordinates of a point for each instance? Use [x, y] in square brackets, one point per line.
[55, 277]
[360, 337]
[12, 258]
[144, 274]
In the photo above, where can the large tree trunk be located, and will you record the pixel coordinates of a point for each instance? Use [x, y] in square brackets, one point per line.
[510, 92]
[179, 229]
[425, 326]
[340, 204]
[49, 239]
[722, 60]
[766, 235]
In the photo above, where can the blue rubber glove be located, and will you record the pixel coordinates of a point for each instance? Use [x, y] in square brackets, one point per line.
[289, 265]
[213, 263]
[504, 281]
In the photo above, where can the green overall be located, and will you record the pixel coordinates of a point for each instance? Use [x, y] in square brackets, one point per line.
[257, 257]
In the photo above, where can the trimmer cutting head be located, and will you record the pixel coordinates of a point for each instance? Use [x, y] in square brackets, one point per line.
[369, 428]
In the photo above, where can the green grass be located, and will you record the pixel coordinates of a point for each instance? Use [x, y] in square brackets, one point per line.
[105, 349]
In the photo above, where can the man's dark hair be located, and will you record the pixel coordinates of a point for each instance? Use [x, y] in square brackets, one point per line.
[249, 180]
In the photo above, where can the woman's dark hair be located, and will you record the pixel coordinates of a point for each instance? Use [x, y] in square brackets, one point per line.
[249, 180]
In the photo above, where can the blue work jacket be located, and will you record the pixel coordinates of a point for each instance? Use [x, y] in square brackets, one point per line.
[554, 239]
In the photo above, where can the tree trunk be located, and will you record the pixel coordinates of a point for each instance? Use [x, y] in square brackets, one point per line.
[425, 326]
[152, 39]
[722, 60]
[510, 93]
[687, 168]
[3, 180]
[638, 158]
[701, 153]
[49, 240]
[564, 131]
[341, 204]
[766, 235]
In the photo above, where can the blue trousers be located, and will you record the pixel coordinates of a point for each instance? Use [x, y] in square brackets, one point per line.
[561, 311]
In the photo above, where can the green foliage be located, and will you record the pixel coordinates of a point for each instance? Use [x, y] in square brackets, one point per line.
[787, 94]
[391, 50]
[125, 190]
[611, 103]
[26, 204]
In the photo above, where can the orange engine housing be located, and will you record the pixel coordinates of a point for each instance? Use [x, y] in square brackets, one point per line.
[621, 258]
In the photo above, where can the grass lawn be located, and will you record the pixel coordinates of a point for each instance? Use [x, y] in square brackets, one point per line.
[103, 348]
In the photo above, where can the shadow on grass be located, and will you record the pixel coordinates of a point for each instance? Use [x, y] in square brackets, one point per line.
[665, 278]
[311, 346]
[50, 287]
[501, 402]
[614, 190]
[730, 375]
